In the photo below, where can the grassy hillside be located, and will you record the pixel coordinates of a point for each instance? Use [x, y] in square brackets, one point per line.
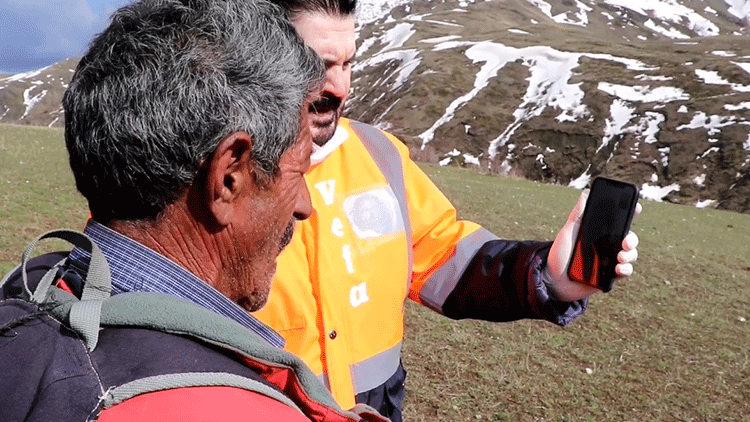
[37, 191]
[669, 344]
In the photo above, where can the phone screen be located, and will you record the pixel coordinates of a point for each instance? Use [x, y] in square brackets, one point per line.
[604, 224]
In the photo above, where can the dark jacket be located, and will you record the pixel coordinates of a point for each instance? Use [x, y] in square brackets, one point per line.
[114, 358]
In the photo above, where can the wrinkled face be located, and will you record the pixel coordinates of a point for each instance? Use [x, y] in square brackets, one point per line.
[332, 37]
[272, 210]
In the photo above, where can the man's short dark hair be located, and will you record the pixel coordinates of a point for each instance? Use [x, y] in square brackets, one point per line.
[165, 82]
[330, 7]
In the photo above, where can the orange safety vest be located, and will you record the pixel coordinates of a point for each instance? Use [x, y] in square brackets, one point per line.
[381, 232]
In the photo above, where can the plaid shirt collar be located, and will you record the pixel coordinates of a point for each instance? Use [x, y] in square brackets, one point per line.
[136, 268]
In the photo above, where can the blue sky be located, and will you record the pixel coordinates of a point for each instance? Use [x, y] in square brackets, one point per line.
[38, 33]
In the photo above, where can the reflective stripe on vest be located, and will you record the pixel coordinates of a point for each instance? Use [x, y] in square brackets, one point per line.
[383, 153]
[383, 364]
[442, 282]
[374, 371]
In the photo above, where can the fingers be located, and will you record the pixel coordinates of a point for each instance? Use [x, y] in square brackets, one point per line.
[627, 257]
[631, 241]
[629, 253]
[624, 270]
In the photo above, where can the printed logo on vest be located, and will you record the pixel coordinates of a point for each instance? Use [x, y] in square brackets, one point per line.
[374, 213]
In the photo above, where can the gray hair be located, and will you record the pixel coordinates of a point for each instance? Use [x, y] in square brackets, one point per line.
[165, 82]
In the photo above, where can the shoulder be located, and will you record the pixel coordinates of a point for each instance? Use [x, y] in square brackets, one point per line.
[368, 133]
[46, 370]
[201, 404]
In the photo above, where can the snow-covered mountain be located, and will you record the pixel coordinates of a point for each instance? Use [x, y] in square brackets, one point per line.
[652, 91]
[34, 98]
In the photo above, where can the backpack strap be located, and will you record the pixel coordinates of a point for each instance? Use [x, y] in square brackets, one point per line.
[84, 313]
[298, 386]
[174, 315]
[178, 316]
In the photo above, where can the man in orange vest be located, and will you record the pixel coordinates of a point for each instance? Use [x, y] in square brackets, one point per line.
[382, 232]
[191, 151]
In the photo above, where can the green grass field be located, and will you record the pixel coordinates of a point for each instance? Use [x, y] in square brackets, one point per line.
[672, 343]
[37, 191]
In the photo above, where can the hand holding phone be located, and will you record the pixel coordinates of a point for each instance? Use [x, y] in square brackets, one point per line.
[606, 220]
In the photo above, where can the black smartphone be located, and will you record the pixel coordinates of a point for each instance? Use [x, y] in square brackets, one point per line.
[605, 223]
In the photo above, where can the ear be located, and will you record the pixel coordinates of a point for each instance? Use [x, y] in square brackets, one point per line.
[229, 173]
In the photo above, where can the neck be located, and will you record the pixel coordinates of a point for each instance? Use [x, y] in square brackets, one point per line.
[178, 237]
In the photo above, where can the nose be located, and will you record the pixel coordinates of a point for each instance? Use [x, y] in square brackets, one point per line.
[337, 81]
[303, 208]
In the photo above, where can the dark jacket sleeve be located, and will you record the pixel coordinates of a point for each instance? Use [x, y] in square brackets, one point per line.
[503, 282]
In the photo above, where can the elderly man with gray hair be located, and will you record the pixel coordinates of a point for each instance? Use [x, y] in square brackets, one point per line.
[187, 133]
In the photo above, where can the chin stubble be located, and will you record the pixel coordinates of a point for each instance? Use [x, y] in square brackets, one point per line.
[287, 236]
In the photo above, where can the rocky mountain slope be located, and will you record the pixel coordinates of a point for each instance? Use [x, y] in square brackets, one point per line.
[652, 91]
[34, 98]
[655, 92]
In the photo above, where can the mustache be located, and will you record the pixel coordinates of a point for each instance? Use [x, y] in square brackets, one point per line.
[327, 102]
[286, 237]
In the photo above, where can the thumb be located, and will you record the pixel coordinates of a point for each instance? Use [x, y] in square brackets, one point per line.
[561, 252]
[577, 212]
[563, 245]
[566, 237]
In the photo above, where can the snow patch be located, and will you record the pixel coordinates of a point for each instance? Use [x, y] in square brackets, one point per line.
[711, 123]
[31, 100]
[582, 181]
[657, 193]
[705, 204]
[370, 11]
[743, 66]
[25, 75]
[669, 11]
[439, 40]
[620, 114]
[578, 18]
[470, 159]
[707, 152]
[739, 8]
[664, 152]
[712, 77]
[644, 93]
[667, 32]
[736, 107]
[409, 61]
[398, 35]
